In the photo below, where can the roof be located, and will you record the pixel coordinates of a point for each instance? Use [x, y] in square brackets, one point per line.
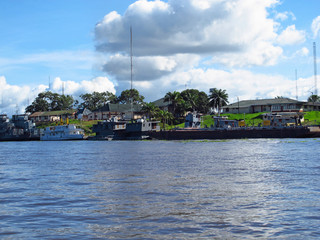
[112, 107]
[53, 113]
[259, 102]
[161, 103]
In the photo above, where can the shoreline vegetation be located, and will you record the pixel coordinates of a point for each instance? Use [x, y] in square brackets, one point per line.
[252, 119]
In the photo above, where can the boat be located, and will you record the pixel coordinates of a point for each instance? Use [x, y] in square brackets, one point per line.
[62, 133]
[115, 129]
[274, 126]
[18, 128]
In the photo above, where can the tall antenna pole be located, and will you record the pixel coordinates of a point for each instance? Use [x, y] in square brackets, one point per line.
[131, 54]
[62, 88]
[296, 85]
[315, 68]
[131, 64]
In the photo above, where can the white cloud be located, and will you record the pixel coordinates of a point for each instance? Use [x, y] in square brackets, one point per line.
[237, 31]
[315, 26]
[303, 52]
[291, 36]
[284, 16]
[13, 96]
[238, 83]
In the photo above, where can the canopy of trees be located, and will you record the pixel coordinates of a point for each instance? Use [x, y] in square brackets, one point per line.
[131, 94]
[314, 98]
[48, 101]
[95, 100]
[179, 103]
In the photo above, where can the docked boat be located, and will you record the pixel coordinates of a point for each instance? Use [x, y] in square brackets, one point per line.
[62, 132]
[115, 129]
[19, 128]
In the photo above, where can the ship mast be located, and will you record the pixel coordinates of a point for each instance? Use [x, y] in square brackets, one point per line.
[131, 73]
[315, 69]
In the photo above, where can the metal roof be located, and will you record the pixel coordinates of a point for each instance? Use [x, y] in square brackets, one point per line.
[260, 102]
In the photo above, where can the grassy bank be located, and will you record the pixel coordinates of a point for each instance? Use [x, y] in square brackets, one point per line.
[85, 125]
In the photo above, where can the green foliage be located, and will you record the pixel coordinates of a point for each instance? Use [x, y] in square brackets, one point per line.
[131, 94]
[218, 98]
[150, 109]
[314, 98]
[48, 101]
[195, 100]
[95, 100]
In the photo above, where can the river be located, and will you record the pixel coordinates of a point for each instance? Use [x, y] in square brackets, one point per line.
[237, 189]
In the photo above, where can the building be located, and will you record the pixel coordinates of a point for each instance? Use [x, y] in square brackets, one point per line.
[52, 116]
[270, 105]
[121, 111]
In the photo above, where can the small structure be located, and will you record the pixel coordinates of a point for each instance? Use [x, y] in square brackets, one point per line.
[121, 111]
[193, 120]
[268, 105]
[282, 119]
[52, 116]
[83, 114]
[224, 122]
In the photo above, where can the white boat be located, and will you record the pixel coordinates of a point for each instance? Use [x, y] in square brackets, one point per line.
[62, 132]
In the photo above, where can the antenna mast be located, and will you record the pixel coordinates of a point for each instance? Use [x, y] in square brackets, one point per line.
[296, 85]
[131, 73]
[315, 69]
[131, 54]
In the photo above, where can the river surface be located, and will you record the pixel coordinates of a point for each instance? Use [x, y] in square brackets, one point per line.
[237, 189]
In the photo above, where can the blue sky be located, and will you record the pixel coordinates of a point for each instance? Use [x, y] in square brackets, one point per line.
[250, 48]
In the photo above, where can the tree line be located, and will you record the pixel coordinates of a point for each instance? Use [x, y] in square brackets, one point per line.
[179, 102]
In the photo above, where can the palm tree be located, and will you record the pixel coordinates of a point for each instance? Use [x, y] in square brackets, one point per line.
[218, 98]
[173, 97]
[164, 116]
[150, 109]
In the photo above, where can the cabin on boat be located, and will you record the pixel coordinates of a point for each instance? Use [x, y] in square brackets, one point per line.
[120, 111]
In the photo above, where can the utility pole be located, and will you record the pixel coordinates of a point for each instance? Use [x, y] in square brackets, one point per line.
[315, 68]
[131, 73]
[296, 85]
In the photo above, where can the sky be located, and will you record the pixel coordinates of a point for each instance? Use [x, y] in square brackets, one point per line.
[252, 49]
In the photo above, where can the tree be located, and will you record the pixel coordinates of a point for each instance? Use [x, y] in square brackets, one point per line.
[150, 109]
[48, 101]
[218, 98]
[164, 116]
[96, 100]
[174, 98]
[130, 95]
[196, 100]
[314, 98]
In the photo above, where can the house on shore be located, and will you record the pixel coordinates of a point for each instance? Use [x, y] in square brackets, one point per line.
[270, 105]
[52, 116]
[121, 111]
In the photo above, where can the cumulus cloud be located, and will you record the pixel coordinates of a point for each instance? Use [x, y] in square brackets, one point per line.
[315, 26]
[16, 98]
[282, 16]
[291, 36]
[238, 83]
[228, 30]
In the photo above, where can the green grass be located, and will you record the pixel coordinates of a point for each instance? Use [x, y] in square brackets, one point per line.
[85, 125]
[312, 118]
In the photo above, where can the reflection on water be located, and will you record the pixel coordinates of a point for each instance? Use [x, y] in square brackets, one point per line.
[160, 190]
